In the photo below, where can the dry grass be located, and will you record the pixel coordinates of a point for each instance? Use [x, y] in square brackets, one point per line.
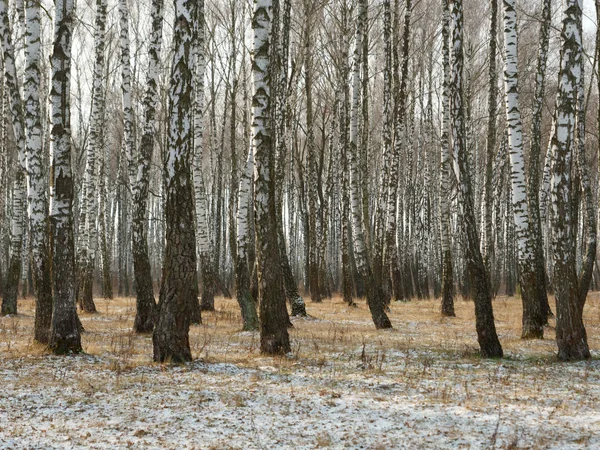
[333, 328]
[345, 385]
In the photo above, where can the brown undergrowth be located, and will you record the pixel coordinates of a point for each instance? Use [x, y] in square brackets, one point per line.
[333, 328]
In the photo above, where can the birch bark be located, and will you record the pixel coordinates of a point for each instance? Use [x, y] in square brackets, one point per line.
[533, 316]
[64, 331]
[145, 306]
[179, 287]
[446, 167]
[37, 199]
[93, 149]
[375, 298]
[484, 317]
[274, 338]
[17, 229]
[571, 336]
[534, 160]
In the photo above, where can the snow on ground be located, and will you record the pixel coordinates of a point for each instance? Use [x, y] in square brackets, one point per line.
[344, 386]
[414, 401]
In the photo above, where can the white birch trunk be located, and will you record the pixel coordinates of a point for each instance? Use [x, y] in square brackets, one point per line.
[533, 320]
[64, 332]
[9, 302]
[570, 331]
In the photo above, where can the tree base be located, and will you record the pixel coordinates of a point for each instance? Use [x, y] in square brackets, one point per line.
[532, 333]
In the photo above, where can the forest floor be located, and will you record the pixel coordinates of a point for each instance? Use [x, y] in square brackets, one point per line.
[345, 385]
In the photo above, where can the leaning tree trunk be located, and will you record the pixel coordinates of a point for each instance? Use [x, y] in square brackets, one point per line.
[484, 316]
[93, 149]
[140, 168]
[570, 331]
[37, 184]
[274, 338]
[491, 141]
[533, 314]
[344, 180]
[17, 230]
[589, 252]
[535, 221]
[313, 208]
[179, 287]
[375, 299]
[445, 182]
[64, 330]
[204, 243]
[242, 271]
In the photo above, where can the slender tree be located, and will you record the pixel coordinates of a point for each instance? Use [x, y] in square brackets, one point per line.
[88, 239]
[274, 338]
[200, 195]
[145, 306]
[446, 167]
[571, 336]
[17, 225]
[179, 287]
[484, 317]
[36, 178]
[533, 315]
[375, 298]
[535, 221]
[64, 331]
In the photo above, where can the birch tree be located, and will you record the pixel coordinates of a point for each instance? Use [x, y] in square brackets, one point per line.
[274, 338]
[446, 167]
[484, 317]
[533, 317]
[145, 306]
[298, 307]
[491, 138]
[202, 219]
[179, 288]
[94, 146]
[19, 198]
[571, 335]
[242, 271]
[36, 181]
[534, 160]
[64, 331]
[375, 298]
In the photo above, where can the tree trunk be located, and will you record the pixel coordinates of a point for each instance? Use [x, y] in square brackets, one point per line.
[375, 299]
[533, 314]
[445, 184]
[139, 167]
[17, 229]
[484, 317]
[570, 331]
[535, 221]
[179, 289]
[64, 331]
[274, 338]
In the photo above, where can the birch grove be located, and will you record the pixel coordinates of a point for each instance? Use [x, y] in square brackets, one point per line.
[298, 154]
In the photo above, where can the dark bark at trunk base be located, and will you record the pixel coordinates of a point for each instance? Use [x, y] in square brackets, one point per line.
[376, 303]
[289, 282]
[274, 319]
[86, 298]
[43, 303]
[447, 285]
[244, 298]
[207, 303]
[487, 337]
[533, 313]
[11, 290]
[145, 307]
[571, 336]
